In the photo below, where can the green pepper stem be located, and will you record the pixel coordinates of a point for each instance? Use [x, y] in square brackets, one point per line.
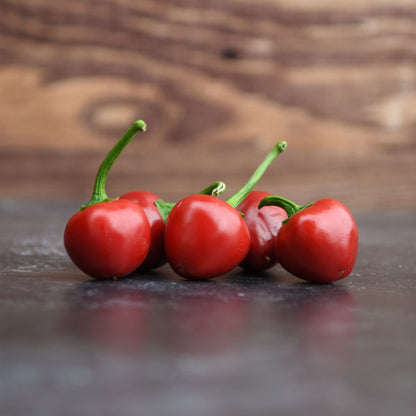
[99, 193]
[215, 189]
[218, 187]
[241, 194]
[165, 208]
[289, 206]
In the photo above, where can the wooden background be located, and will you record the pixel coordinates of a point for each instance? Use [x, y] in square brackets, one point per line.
[218, 82]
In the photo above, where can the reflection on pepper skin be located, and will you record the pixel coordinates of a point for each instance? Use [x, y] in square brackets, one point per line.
[315, 321]
[207, 324]
[126, 318]
[112, 316]
[325, 321]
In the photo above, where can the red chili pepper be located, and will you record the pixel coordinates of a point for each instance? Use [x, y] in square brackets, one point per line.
[206, 237]
[263, 225]
[109, 238]
[318, 242]
[156, 257]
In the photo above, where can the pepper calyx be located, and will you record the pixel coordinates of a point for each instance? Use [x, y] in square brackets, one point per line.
[164, 208]
[290, 207]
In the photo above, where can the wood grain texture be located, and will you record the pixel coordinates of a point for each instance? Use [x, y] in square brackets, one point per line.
[218, 84]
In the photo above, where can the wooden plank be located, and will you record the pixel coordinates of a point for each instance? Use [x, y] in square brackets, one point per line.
[218, 84]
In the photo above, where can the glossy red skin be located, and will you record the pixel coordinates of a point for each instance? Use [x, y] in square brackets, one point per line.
[205, 237]
[109, 239]
[263, 225]
[156, 256]
[319, 244]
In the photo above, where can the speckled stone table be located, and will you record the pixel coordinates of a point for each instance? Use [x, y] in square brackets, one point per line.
[240, 345]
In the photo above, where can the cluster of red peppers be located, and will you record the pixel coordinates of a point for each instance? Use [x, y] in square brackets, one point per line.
[203, 236]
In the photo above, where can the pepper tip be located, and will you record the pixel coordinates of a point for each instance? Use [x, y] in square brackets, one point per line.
[282, 145]
[140, 125]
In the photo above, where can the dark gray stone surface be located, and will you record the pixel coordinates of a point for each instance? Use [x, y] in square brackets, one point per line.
[240, 345]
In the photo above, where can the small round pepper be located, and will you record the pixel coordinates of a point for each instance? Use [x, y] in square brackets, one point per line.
[207, 237]
[156, 257]
[263, 225]
[318, 242]
[108, 238]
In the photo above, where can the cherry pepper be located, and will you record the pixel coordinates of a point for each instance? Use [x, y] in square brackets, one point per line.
[205, 236]
[263, 225]
[109, 238]
[156, 257]
[318, 242]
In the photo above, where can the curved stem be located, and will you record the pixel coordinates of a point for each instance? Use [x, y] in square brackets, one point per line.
[99, 193]
[241, 194]
[289, 206]
[165, 208]
[215, 189]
